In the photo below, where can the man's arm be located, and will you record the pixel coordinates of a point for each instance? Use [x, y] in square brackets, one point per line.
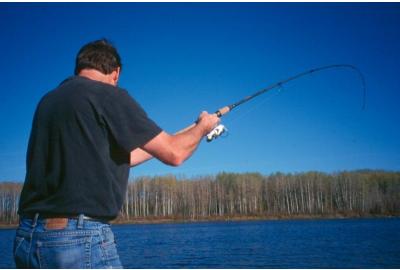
[138, 156]
[175, 149]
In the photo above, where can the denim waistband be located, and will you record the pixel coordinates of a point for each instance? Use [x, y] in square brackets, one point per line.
[38, 216]
[38, 223]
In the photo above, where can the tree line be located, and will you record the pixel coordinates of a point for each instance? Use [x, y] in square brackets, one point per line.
[225, 195]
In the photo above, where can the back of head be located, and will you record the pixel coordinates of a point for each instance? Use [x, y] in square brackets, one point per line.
[99, 55]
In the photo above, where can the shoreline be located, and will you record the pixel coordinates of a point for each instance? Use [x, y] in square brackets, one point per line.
[177, 220]
[150, 220]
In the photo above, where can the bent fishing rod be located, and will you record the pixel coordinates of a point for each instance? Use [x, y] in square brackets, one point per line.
[226, 109]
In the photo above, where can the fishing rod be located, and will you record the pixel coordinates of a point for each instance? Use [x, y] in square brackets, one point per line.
[217, 131]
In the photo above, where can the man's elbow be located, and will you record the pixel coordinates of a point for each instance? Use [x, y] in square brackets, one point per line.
[176, 160]
[168, 149]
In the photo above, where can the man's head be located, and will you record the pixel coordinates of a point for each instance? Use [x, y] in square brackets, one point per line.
[100, 58]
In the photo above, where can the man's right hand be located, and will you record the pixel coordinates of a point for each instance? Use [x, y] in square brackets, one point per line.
[208, 122]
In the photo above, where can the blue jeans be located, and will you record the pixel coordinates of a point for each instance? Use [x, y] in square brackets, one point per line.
[83, 243]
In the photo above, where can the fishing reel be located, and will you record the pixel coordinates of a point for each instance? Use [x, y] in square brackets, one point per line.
[216, 132]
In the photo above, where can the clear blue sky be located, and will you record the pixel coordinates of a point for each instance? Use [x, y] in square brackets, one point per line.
[180, 59]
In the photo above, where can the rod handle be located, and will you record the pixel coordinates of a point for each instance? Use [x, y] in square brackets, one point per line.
[222, 111]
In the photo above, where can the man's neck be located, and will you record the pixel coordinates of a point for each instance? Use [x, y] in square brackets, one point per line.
[96, 75]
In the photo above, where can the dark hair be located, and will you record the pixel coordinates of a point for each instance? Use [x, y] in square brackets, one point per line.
[100, 55]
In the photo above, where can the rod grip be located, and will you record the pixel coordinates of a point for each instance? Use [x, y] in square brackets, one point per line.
[222, 111]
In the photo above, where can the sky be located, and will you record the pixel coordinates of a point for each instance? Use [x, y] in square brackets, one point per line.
[182, 58]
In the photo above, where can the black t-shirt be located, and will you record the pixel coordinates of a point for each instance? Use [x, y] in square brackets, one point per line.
[79, 150]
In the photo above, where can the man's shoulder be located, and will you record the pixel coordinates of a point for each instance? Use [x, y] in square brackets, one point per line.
[78, 91]
[78, 86]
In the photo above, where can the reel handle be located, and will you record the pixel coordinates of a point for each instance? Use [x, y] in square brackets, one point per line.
[216, 132]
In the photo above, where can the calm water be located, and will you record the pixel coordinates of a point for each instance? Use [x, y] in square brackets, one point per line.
[350, 243]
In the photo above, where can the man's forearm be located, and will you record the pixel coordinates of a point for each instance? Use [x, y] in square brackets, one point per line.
[138, 155]
[186, 142]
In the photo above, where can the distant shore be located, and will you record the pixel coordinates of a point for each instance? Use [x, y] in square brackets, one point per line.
[173, 220]
[151, 220]
[245, 197]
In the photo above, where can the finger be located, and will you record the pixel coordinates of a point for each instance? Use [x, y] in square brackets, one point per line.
[203, 113]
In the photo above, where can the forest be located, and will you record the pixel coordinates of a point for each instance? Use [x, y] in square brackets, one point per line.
[247, 195]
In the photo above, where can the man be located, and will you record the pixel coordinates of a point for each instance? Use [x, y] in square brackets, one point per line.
[85, 135]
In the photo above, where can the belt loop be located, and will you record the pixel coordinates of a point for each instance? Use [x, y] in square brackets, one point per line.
[80, 221]
[35, 219]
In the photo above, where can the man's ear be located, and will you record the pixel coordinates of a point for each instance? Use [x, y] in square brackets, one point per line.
[115, 75]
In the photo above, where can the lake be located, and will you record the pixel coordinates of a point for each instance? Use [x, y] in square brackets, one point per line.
[333, 243]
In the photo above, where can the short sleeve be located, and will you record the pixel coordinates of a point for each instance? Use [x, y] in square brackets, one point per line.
[127, 121]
